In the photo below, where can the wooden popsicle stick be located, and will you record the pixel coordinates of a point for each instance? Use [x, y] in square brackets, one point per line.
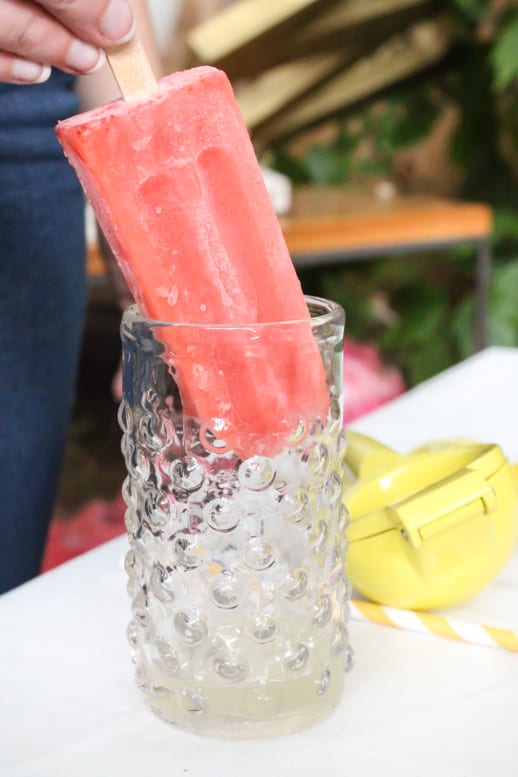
[132, 70]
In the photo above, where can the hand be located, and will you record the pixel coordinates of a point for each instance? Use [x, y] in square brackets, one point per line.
[68, 34]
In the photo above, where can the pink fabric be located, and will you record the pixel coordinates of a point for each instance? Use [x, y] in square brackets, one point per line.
[95, 522]
[368, 383]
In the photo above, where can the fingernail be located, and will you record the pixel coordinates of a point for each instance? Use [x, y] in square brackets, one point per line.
[98, 65]
[29, 72]
[83, 57]
[118, 23]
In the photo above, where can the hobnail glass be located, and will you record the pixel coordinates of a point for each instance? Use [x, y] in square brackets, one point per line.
[236, 565]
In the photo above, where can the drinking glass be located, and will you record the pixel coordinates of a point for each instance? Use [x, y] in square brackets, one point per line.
[237, 548]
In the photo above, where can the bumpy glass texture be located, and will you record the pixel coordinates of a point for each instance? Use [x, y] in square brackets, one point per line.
[236, 566]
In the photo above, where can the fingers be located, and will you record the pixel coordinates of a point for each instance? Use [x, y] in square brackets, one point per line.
[68, 34]
[22, 71]
[99, 22]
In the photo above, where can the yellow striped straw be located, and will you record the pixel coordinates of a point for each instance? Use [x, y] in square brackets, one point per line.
[428, 623]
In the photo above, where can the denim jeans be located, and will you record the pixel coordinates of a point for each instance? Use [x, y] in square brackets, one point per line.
[42, 302]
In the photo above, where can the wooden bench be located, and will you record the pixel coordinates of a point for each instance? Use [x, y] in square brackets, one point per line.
[329, 226]
[338, 225]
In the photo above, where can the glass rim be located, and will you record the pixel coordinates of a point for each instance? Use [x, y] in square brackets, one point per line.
[332, 312]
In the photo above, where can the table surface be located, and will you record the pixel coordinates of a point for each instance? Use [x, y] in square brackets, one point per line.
[347, 221]
[414, 705]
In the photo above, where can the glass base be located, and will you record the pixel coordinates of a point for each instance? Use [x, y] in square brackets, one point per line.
[259, 711]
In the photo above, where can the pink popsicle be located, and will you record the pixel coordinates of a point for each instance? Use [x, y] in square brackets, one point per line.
[177, 189]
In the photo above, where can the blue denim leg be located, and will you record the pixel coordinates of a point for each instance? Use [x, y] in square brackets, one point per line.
[42, 302]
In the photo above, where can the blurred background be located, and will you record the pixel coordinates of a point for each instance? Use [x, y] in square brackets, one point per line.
[386, 118]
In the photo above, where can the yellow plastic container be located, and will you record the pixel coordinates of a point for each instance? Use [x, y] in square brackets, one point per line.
[432, 528]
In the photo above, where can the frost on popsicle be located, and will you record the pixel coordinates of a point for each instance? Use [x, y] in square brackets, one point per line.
[179, 194]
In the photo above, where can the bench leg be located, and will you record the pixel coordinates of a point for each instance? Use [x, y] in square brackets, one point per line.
[483, 275]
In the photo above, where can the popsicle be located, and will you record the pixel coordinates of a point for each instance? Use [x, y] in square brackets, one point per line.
[177, 189]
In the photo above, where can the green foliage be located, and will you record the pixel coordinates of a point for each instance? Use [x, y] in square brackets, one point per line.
[354, 290]
[505, 56]
[325, 165]
[496, 22]
[289, 165]
[505, 226]
[504, 303]
[422, 314]
[503, 312]
[406, 304]
[475, 146]
[420, 310]
[418, 113]
[469, 11]
[404, 120]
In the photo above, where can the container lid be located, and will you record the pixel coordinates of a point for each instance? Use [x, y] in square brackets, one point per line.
[422, 494]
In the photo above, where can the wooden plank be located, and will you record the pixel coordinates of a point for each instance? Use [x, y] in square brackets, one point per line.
[240, 38]
[269, 93]
[345, 24]
[352, 14]
[263, 97]
[246, 48]
[399, 58]
[333, 219]
[326, 219]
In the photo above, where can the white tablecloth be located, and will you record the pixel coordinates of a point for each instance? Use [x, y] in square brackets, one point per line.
[415, 705]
